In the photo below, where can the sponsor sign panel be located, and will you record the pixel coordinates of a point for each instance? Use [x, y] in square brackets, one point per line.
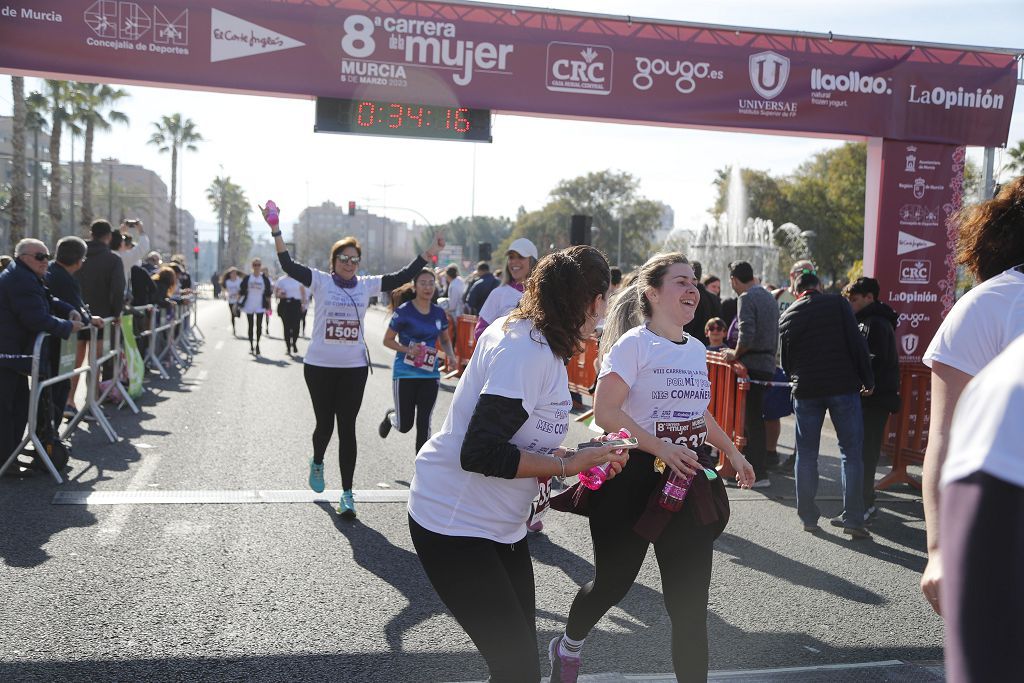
[529, 61]
[914, 253]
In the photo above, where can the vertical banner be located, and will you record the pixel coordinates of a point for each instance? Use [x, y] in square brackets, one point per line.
[920, 193]
[132, 358]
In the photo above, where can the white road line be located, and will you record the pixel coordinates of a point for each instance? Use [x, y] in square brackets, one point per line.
[219, 345]
[110, 528]
[203, 374]
[139, 494]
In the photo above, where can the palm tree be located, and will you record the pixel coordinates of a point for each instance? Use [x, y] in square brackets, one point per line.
[172, 134]
[217, 195]
[35, 122]
[1014, 162]
[18, 218]
[57, 98]
[239, 239]
[95, 113]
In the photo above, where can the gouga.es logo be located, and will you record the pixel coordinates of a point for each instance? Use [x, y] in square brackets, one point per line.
[769, 73]
[573, 67]
[685, 73]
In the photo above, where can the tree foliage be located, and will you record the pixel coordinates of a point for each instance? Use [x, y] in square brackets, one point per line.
[232, 206]
[171, 134]
[93, 110]
[468, 232]
[612, 199]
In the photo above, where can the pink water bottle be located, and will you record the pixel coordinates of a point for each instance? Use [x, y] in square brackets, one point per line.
[674, 492]
[596, 475]
[272, 213]
[421, 354]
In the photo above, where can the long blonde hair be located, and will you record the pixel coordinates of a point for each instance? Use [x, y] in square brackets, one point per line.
[630, 307]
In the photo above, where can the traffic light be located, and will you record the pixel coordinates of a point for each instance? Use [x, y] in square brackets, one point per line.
[195, 242]
[351, 208]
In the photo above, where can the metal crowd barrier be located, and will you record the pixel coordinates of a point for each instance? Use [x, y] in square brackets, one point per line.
[112, 332]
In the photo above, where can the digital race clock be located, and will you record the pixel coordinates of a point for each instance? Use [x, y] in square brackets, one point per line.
[402, 119]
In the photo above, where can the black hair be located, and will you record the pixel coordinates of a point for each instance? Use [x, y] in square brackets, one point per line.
[100, 228]
[862, 286]
[807, 281]
[70, 250]
[616, 276]
[742, 271]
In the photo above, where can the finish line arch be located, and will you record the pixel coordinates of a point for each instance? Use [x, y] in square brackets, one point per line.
[917, 105]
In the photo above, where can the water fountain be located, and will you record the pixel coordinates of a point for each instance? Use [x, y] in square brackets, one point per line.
[737, 237]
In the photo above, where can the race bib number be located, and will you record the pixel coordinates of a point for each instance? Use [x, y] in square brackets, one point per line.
[689, 433]
[424, 357]
[341, 331]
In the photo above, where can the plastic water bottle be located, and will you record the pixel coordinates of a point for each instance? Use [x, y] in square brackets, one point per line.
[674, 492]
[596, 475]
[272, 213]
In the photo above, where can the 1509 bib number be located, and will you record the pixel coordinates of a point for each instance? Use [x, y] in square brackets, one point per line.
[341, 331]
[689, 433]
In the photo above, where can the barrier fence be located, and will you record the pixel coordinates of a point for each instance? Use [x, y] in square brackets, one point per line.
[172, 331]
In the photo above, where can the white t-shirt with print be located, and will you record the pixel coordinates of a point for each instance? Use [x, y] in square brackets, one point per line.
[988, 428]
[982, 323]
[338, 334]
[668, 382]
[254, 295]
[232, 287]
[447, 499]
[291, 288]
[500, 302]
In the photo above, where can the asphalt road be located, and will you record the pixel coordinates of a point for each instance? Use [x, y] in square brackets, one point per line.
[288, 591]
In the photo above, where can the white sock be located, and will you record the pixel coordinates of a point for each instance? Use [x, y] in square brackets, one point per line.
[567, 647]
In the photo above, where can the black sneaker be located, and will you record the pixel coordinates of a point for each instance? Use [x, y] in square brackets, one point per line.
[788, 466]
[837, 521]
[385, 425]
[258, 350]
[857, 532]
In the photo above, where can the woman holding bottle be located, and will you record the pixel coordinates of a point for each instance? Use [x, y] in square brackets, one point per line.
[476, 477]
[417, 328]
[337, 361]
[254, 298]
[654, 383]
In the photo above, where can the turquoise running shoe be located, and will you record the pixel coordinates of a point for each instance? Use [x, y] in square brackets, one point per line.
[316, 476]
[347, 506]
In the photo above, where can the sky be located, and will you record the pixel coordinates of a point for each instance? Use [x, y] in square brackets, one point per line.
[435, 181]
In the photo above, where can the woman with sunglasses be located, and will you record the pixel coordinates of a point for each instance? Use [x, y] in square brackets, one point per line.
[337, 360]
[254, 295]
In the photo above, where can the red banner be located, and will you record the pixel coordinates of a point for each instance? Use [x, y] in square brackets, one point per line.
[921, 190]
[524, 61]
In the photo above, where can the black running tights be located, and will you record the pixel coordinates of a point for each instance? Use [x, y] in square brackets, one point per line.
[415, 398]
[684, 553]
[489, 589]
[259, 326]
[337, 394]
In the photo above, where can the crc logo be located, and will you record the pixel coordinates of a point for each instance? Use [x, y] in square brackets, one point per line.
[909, 343]
[577, 68]
[915, 272]
[914, 319]
[769, 72]
[685, 72]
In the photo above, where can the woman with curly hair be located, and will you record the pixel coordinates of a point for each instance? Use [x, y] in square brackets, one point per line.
[980, 485]
[476, 478]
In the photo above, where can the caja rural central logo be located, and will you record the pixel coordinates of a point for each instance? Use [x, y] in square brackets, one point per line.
[578, 68]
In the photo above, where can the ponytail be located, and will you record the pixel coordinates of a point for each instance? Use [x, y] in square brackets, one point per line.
[624, 313]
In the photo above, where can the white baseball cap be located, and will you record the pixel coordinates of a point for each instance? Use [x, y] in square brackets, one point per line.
[523, 247]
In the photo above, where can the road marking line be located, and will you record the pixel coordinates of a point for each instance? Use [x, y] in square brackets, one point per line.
[203, 374]
[135, 496]
[110, 528]
[219, 345]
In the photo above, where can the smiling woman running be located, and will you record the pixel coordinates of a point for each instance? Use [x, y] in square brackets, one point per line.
[337, 359]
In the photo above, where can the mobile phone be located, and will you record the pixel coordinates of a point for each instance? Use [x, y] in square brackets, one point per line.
[618, 444]
[132, 222]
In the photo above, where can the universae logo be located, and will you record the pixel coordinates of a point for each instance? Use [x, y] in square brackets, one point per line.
[769, 73]
[909, 343]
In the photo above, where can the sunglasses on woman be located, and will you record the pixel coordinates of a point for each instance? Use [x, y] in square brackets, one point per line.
[354, 260]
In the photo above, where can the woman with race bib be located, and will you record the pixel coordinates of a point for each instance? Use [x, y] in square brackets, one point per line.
[654, 383]
[476, 477]
[337, 360]
[231, 282]
[417, 328]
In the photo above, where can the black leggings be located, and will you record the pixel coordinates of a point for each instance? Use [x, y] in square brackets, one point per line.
[259, 326]
[684, 552]
[415, 398]
[875, 419]
[489, 589]
[337, 394]
[289, 311]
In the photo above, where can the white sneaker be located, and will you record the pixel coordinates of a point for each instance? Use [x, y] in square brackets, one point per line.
[762, 484]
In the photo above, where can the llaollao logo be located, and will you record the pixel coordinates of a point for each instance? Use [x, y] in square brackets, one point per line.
[769, 73]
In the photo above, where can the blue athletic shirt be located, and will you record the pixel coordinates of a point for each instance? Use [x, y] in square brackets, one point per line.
[412, 327]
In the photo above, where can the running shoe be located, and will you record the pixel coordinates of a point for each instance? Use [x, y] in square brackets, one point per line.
[347, 506]
[258, 350]
[563, 669]
[70, 411]
[316, 476]
[385, 425]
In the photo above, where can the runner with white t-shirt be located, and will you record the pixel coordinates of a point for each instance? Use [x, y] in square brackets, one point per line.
[232, 283]
[476, 477]
[337, 360]
[254, 298]
[654, 383]
[520, 260]
[290, 297]
[980, 325]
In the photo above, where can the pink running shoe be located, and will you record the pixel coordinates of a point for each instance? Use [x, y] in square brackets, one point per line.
[563, 669]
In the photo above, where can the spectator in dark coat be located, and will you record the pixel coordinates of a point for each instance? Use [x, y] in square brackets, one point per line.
[102, 280]
[60, 280]
[877, 323]
[827, 360]
[26, 309]
[481, 288]
[708, 307]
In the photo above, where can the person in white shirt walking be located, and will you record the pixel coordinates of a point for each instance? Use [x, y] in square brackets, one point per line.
[291, 297]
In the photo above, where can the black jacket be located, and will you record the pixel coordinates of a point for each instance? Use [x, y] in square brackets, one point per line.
[243, 290]
[823, 351]
[27, 308]
[708, 307]
[102, 280]
[64, 286]
[143, 288]
[877, 323]
[480, 290]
